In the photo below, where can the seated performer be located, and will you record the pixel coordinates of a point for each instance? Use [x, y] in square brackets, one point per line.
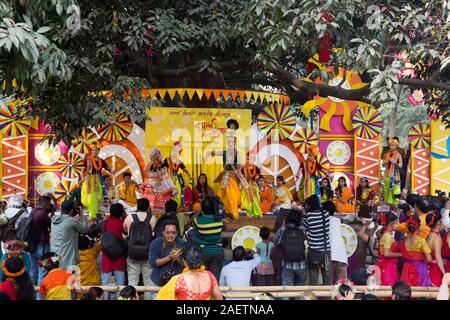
[265, 195]
[92, 189]
[365, 198]
[159, 188]
[344, 203]
[190, 195]
[326, 192]
[229, 192]
[393, 165]
[202, 187]
[127, 191]
[283, 197]
[250, 200]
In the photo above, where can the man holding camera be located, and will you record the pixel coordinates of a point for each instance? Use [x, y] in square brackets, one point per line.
[64, 236]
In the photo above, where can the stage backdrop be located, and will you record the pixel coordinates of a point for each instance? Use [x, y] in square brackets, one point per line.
[201, 130]
[440, 157]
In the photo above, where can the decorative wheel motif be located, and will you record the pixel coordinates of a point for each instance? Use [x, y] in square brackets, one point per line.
[367, 122]
[247, 237]
[304, 138]
[64, 189]
[72, 165]
[117, 128]
[420, 136]
[83, 142]
[276, 117]
[323, 161]
[9, 125]
[47, 154]
[338, 152]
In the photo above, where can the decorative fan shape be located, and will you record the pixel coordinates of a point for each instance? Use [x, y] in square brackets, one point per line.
[64, 189]
[83, 142]
[367, 122]
[9, 125]
[304, 138]
[117, 128]
[325, 163]
[72, 165]
[276, 117]
[420, 136]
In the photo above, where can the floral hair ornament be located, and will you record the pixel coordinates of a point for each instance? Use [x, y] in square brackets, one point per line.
[12, 274]
[394, 141]
[335, 294]
[49, 260]
[15, 245]
[413, 222]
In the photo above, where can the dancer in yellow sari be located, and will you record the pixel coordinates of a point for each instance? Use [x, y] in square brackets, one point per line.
[393, 165]
[344, 203]
[92, 188]
[250, 197]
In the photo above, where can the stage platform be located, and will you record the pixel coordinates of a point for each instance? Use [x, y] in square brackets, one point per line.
[267, 220]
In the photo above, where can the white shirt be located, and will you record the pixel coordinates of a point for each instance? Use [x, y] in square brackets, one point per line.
[446, 218]
[238, 273]
[11, 212]
[338, 250]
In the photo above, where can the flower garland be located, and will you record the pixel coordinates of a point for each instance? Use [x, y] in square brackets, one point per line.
[45, 263]
[97, 163]
[12, 274]
[251, 171]
[335, 294]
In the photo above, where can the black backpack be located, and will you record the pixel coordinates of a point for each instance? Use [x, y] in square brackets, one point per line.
[139, 238]
[293, 244]
[26, 232]
[8, 230]
[113, 248]
[161, 224]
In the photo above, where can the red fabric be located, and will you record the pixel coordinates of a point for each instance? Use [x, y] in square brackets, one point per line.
[157, 202]
[190, 196]
[410, 255]
[115, 226]
[445, 247]
[183, 293]
[9, 289]
[388, 267]
[435, 274]
[409, 271]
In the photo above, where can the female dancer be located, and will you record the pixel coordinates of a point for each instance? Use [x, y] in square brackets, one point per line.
[175, 164]
[92, 189]
[393, 164]
[344, 197]
[250, 200]
[308, 173]
[160, 188]
[388, 250]
[416, 252]
[437, 266]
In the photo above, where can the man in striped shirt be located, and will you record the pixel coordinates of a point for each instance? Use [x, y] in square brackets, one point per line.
[317, 226]
[208, 234]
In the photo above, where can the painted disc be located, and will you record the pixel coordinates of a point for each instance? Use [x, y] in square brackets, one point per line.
[367, 122]
[304, 138]
[420, 136]
[247, 237]
[274, 117]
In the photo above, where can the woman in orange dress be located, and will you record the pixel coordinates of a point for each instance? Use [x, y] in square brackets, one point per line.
[417, 253]
[388, 250]
[344, 197]
[437, 266]
[266, 195]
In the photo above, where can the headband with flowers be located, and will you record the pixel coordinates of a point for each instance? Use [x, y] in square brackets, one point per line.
[49, 260]
[15, 245]
[335, 294]
[12, 274]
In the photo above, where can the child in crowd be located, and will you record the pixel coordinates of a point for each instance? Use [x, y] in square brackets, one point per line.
[56, 285]
[94, 293]
[15, 249]
[128, 293]
[89, 248]
[265, 268]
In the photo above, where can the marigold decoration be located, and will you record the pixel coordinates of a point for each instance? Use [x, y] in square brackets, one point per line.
[420, 136]
[12, 274]
[72, 164]
[10, 125]
[333, 106]
[84, 141]
[416, 98]
[64, 189]
[49, 260]
[335, 294]
[276, 117]
[367, 122]
[304, 138]
[117, 128]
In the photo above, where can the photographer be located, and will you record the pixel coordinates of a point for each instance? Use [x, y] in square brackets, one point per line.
[64, 235]
[208, 234]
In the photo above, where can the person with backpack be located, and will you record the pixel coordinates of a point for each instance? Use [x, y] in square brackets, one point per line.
[138, 228]
[171, 216]
[292, 244]
[17, 211]
[113, 248]
[317, 226]
[64, 236]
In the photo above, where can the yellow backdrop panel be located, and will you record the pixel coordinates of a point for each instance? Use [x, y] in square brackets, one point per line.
[201, 130]
[440, 157]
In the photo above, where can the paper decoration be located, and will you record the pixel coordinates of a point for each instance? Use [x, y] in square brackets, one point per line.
[116, 129]
[338, 152]
[9, 125]
[83, 142]
[367, 122]
[276, 117]
[304, 138]
[420, 136]
[247, 237]
[46, 183]
[64, 189]
[72, 165]
[47, 154]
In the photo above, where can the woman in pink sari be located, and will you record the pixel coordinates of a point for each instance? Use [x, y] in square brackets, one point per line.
[388, 250]
[417, 253]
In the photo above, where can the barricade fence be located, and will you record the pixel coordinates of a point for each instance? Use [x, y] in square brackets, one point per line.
[282, 291]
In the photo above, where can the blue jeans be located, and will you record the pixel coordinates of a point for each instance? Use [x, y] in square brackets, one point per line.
[120, 280]
[37, 273]
[290, 277]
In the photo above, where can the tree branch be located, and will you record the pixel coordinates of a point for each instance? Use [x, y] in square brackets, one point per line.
[183, 72]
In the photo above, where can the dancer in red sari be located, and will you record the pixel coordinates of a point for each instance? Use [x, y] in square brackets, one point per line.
[417, 253]
[437, 266]
[388, 250]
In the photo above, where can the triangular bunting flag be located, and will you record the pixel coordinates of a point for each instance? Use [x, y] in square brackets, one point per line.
[234, 94]
[217, 94]
[171, 93]
[144, 93]
[190, 93]
[199, 93]
[225, 94]
[181, 92]
[152, 93]
[162, 93]
[208, 94]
